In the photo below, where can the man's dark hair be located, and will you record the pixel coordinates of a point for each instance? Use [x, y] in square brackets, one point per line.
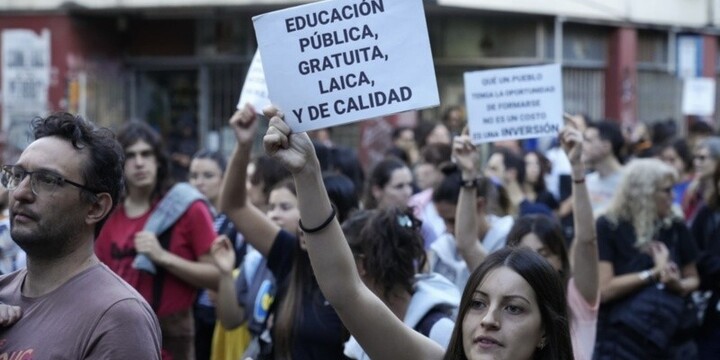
[103, 170]
[700, 127]
[512, 160]
[268, 173]
[436, 154]
[342, 193]
[448, 191]
[134, 131]
[663, 131]
[609, 131]
[346, 162]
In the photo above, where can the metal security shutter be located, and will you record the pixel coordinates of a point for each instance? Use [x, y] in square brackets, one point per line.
[220, 86]
[659, 91]
[225, 82]
[584, 53]
[584, 91]
[658, 96]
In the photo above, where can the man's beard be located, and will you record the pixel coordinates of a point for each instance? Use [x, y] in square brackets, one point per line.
[45, 241]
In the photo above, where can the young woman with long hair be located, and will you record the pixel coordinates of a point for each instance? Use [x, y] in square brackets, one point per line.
[512, 308]
[304, 325]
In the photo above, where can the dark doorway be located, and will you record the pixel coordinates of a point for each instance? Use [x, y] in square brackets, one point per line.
[168, 100]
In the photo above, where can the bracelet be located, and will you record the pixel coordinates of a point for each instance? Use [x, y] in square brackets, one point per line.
[473, 183]
[579, 181]
[645, 275]
[322, 226]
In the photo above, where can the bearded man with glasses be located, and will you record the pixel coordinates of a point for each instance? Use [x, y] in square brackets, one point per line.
[62, 189]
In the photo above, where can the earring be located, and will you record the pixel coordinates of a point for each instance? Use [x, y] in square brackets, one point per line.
[542, 344]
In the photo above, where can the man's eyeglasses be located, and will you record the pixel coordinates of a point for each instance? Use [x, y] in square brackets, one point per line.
[41, 181]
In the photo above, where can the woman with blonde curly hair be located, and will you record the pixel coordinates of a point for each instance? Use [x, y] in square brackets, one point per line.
[647, 268]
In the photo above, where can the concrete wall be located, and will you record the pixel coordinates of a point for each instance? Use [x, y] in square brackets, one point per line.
[690, 13]
[683, 13]
[22, 5]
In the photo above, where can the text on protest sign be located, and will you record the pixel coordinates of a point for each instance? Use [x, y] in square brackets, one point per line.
[335, 62]
[514, 103]
[698, 96]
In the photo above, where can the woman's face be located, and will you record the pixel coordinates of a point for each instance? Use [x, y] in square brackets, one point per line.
[206, 176]
[406, 140]
[532, 168]
[671, 157]
[439, 135]
[495, 168]
[397, 191]
[283, 210]
[533, 242]
[503, 321]
[704, 163]
[427, 175]
[664, 198]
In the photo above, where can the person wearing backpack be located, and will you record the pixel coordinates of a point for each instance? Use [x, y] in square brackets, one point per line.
[389, 254]
[159, 237]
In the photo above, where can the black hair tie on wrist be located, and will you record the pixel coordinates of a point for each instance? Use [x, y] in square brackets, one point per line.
[322, 226]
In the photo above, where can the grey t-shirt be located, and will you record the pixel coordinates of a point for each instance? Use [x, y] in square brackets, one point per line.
[94, 315]
[602, 190]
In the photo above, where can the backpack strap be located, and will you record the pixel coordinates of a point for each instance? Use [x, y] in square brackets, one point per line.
[159, 278]
[227, 228]
[428, 321]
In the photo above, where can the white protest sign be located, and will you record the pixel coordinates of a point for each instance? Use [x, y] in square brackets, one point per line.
[334, 62]
[26, 77]
[698, 96]
[254, 91]
[514, 103]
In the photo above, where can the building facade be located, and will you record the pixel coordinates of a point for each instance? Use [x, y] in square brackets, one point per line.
[181, 63]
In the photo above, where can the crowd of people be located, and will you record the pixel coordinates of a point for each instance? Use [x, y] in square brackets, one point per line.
[602, 246]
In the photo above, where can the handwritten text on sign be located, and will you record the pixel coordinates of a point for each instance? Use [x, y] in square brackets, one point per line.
[514, 103]
[698, 96]
[334, 62]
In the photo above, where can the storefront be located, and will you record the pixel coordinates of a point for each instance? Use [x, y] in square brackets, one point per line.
[183, 64]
